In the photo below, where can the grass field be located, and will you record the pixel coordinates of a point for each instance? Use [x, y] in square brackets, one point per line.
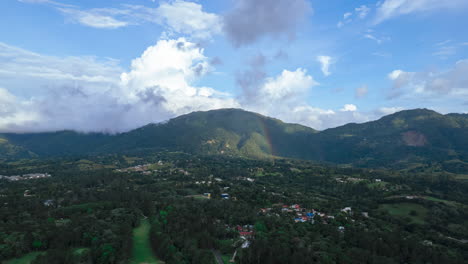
[142, 252]
[405, 209]
[26, 259]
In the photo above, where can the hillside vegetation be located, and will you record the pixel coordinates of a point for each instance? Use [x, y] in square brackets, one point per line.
[413, 139]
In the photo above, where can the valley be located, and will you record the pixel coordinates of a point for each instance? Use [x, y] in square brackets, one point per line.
[181, 208]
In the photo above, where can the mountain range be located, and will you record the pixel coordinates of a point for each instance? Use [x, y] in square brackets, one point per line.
[406, 139]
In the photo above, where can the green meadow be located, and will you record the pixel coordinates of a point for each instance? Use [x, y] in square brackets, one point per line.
[415, 212]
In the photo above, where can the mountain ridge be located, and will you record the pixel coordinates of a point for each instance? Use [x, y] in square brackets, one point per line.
[418, 136]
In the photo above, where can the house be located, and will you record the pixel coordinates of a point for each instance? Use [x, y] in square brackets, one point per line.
[225, 196]
[346, 210]
[295, 206]
[49, 202]
[300, 219]
[341, 228]
[378, 180]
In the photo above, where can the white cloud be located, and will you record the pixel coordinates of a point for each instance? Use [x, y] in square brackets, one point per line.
[178, 17]
[287, 85]
[347, 18]
[452, 82]
[26, 65]
[88, 95]
[50, 2]
[325, 62]
[393, 8]
[374, 38]
[46, 93]
[362, 11]
[93, 18]
[285, 97]
[444, 51]
[395, 74]
[188, 18]
[349, 108]
[166, 70]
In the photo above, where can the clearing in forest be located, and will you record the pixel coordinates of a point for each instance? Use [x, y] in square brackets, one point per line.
[416, 213]
[142, 252]
[26, 259]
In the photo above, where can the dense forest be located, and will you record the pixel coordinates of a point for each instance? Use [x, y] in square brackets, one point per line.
[216, 209]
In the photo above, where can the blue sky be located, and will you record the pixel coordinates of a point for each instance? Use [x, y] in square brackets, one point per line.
[115, 65]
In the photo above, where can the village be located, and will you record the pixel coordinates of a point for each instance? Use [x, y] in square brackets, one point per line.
[30, 176]
[144, 169]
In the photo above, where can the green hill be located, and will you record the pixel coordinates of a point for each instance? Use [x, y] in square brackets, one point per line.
[225, 131]
[404, 139]
[412, 136]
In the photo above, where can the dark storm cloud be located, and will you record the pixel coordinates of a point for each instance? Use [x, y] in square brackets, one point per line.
[251, 20]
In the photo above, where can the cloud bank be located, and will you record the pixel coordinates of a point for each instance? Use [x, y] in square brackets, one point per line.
[452, 82]
[88, 94]
[85, 95]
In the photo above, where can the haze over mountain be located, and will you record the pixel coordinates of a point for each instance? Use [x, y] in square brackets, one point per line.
[406, 138]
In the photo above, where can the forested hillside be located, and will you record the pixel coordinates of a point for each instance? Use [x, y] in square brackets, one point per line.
[415, 139]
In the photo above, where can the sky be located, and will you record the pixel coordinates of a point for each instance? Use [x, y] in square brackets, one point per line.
[115, 65]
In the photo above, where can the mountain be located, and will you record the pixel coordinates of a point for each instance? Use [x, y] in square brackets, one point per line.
[404, 139]
[411, 137]
[8, 149]
[224, 131]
